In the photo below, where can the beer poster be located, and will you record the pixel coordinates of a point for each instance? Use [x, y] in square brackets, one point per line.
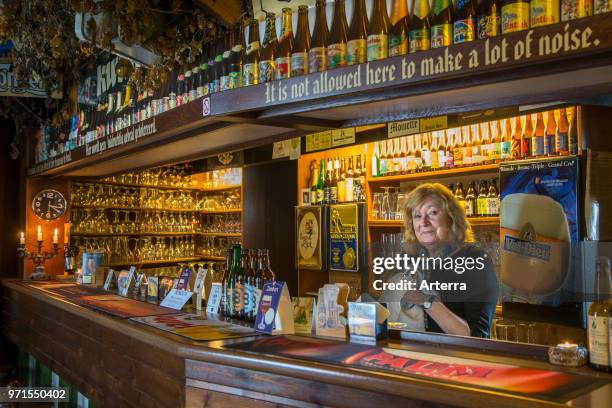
[310, 234]
[344, 238]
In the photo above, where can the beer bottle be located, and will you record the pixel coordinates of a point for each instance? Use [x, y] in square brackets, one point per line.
[549, 134]
[574, 9]
[493, 199]
[213, 84]
[460, 196]
[333, 192]
[442, 23]
[362, 179]
[180, 80]
[356, 47]
[598, 334]
[267, 57]
[397, 168]
[219, 59]
[187, 85]
[327, 182]
[477, 153]
[398, 38]
[227, 292]
[514, 15]
[382, 168]
[314, 179]
[390, 168]
[378, 32]
[411, 159]
[205, 75]
[537, 140]
[239, 288]
[561, 144]
[517, 130]
[466, 146]
[249, 293]
[357, 180]
[197, 81]
[317, 56]
[489, 19]
[464, 27]
[420, 25]
[506, 140]
[321, 184]
[282, 62]
[572, 133]
[418, 154]
[526, 137]
[495, 152]
[250, 69]
[457, 148]
[435, 164]
[403, 156]
[349, 185]
[482, 207]
[442, 158]
[234, 284]
[301, 46]
[237, 57]
[226, 83]
[338, 37]
[470, 201]
[375, 160]
[342, 182]
[265, 271]
[543, 12]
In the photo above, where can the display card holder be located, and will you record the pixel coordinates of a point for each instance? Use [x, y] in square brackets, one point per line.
[303, 311]
[125, 280]
[214, 300]
[182, 282]
[176, 299]
[367, 322]
[109, 279]
[328, 317]
[198, 288]
[152, 288]
[275, 311]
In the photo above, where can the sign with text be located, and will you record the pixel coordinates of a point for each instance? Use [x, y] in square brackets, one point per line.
[176, 299]
[214, 301]
[275, 311]
[9, 86]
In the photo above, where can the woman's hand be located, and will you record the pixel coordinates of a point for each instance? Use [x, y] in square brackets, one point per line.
[413, 297]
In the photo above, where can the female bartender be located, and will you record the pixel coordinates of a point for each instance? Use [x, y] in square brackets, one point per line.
[436, 227]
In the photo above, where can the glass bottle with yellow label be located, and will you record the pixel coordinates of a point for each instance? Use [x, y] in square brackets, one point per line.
[250, 69]
[356, 47]
[317, 55]
[270, 43]
[338, 37]
[398, 38]
[464, 27]
[420, 24]
[514, 16]
[442, 24]
[378, 32]
[574, 9]
[301, 46]
[543, 12]
[489, 19]
[282, 61]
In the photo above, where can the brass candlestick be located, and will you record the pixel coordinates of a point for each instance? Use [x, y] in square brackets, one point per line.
[39, 257]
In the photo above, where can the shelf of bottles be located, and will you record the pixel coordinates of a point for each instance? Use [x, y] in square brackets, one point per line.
[159, 216]
[235, 60]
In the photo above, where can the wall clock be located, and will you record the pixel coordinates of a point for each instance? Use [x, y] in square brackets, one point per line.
[49, 204]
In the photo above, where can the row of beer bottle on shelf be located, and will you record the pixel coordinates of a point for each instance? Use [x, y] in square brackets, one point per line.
[489, 142]
[333, 182]
[246, 272]
[479, 200]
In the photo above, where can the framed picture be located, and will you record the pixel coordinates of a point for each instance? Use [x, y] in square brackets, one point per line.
[310, 230]
[305, 197]
[344, 238]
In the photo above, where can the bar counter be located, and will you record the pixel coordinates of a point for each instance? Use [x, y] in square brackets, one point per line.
[116, 362]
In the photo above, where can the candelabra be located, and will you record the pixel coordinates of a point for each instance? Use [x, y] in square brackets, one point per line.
[39, 257]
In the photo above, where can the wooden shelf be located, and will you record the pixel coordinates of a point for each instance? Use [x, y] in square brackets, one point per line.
[156, 262]
[455, 171]
[212, 258]
[474, 221]
[114, 183]
[223, 188]
[233, 210]
[221, 234]
[87, 207]
[131, 234]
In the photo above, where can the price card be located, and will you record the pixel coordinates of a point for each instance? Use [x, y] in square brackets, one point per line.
[176, 299]
[214, 300]
[275, 311]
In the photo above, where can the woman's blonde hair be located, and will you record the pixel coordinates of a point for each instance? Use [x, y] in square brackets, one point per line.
[460, 229]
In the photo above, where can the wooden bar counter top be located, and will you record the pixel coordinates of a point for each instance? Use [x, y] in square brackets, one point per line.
[117, 362]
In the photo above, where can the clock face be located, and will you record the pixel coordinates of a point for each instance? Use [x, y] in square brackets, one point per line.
[49, 205]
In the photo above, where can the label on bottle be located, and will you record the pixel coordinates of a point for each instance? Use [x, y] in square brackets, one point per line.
[544, 12]
[489, 26]
[214, 86]
[382, 167]
[341, 191]
[336, 55]
[441, 35]
[313, 196]
[282, 67]
[573, 9]
[515, 17]
[235, 80]
[326, 194]
[248, 299]
[398, 45]
[224, 83]
[561, 142]
[477, 156]
[426, 155]
[250, 74]
[349, 190]
[357, 189]
[266, 71]
[598, 340]
[229, 300]
[506, 147]
[238, 298]
[374, 166]
[256, 298]
[493, 206]
[482, 206]
[469, 207]
[549, 145]
[193, 94]
[441, 158]
[356, 52]
[317, 59]
[333, 194]
[320, 196]
[537, 146]
[572, 143]
[299, 63]
[378, 46]
[464, 30]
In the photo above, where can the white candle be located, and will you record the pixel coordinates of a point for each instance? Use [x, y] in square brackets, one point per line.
[55, 236]
[22, 238]
[39, 235]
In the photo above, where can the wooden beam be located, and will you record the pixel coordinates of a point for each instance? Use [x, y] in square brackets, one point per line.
[227, 11]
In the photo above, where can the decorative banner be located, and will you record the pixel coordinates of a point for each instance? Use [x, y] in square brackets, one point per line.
[344, 237]
[547, 385]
